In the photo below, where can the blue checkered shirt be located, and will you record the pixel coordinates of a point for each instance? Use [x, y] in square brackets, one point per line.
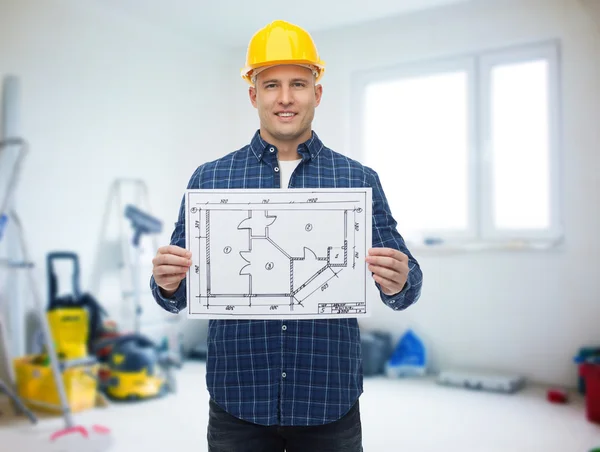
[310, 372]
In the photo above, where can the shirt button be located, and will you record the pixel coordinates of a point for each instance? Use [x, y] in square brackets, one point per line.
[271, 149]
[284, 327]
[276, 169]
[284, 375]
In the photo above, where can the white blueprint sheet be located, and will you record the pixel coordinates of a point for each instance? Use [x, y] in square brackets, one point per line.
[278, 253]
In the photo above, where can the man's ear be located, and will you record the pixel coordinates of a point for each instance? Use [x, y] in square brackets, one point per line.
[252, 94]
[318, 94]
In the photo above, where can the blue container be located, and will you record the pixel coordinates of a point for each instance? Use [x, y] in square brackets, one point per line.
[409, 358]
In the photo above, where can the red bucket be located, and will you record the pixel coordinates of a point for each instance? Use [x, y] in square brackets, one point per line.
[591, 373]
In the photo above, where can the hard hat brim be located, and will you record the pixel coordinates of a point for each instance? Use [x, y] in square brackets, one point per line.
[246, 72]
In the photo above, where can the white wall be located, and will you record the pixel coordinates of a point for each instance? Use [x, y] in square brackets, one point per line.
[103, 96]
[525, 312]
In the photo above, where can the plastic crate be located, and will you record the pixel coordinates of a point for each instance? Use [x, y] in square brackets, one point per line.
[591, 373]
[36, 386]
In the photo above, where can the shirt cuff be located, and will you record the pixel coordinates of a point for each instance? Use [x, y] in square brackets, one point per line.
[395, 301]
[171, 303]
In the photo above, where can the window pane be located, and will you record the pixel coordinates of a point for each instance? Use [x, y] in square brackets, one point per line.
[416, 138]
[520, 145]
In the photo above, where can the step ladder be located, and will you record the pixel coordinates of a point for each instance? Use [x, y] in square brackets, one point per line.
[119, 264]
[12, 154]
[7, 382]
[13, 150]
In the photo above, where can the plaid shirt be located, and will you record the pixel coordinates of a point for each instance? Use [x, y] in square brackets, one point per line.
[290, 372]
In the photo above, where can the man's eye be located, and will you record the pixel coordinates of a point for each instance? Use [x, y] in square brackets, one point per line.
[270, 85]
[299, 85]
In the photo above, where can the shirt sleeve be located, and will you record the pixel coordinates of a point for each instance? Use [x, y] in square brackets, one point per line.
[178, 301]
[386, 235]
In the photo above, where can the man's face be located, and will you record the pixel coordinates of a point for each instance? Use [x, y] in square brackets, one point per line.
[286, 97]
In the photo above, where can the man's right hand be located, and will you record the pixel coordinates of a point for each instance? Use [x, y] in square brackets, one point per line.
[170, 266]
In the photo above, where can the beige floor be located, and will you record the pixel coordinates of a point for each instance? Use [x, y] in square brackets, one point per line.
[398, 415]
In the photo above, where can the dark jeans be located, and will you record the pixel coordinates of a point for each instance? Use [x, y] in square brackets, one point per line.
[226, 433]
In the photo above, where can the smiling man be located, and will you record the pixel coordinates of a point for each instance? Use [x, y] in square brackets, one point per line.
[286, 97]
[288, 385]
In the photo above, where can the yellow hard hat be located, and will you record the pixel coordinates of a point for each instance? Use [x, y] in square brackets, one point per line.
[281, 42]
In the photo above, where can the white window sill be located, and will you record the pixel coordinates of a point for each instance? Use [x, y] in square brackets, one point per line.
[456, 246]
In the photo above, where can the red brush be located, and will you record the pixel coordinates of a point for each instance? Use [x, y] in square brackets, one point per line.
[555, 395]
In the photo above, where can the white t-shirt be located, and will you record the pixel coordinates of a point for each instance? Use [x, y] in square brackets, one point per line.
[286, 168]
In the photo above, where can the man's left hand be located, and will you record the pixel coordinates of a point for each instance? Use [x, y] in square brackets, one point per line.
[389, 268]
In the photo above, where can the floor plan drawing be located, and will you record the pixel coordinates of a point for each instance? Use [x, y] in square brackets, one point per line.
[278, 253]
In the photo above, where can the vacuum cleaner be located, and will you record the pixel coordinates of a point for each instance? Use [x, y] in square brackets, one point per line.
[137, 369]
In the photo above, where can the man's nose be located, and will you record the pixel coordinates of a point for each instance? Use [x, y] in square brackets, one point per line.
[285, 96]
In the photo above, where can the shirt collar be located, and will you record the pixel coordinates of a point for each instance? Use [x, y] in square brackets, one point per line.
[308, 150]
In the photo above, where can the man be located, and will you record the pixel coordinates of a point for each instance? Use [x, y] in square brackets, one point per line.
[289, 385]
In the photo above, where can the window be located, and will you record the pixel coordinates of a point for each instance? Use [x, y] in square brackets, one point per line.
[466, 149]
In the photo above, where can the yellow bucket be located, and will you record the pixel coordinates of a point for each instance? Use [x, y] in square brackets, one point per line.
[36, 386]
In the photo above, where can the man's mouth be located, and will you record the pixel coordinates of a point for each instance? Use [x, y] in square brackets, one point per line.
[285, 114]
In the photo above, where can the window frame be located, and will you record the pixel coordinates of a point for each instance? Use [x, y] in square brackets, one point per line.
[480, 232]
[549, 52]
